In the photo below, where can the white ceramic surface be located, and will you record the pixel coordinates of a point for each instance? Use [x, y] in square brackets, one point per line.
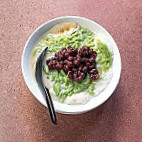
[97, 100]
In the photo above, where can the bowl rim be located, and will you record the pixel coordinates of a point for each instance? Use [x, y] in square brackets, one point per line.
[59, 109]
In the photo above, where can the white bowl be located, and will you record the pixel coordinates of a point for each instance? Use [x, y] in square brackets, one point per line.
[97, 100]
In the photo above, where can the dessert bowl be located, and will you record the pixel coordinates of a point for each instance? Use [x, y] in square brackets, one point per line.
[96, 100]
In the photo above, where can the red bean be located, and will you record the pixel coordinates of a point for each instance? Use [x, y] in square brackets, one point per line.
[67, 54]
[91, 60]
[75, 75]
[94, 53]
[59, 66]
[93, 71]
[82, 75]
[79, 73]
[97, 76]
[79, 79]
[85, 47]
[75, 51]
[85, 69]
[88, 64]
[65, 61]
[63, 51]
[92, 77]
[74, 69]
[70, 75]
[85, 60]
[47, 61]
[78, 57]
[70, 51]
[61, 62]
[50, 66]
[56, 54]
[91, 67]
[69, 63]
[76, 62]
[70, 58]
[66, 68]
[81, 67]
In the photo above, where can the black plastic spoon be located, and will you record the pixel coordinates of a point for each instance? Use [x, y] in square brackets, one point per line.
[43, 89]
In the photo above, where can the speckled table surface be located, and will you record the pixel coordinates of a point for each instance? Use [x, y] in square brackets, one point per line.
[24, 119]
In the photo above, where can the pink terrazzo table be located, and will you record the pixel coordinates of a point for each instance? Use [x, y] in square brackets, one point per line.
[24, 119]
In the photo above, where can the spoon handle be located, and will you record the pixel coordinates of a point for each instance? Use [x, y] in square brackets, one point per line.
[50, 106]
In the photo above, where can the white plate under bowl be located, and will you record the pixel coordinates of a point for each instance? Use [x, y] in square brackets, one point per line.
[92, 26]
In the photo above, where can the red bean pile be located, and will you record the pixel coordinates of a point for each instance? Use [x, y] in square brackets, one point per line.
[76, 64]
